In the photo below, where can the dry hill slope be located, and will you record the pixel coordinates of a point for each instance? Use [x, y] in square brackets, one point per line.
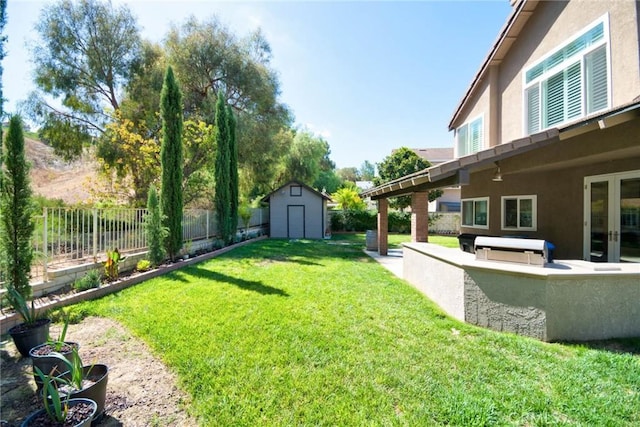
[54, 178]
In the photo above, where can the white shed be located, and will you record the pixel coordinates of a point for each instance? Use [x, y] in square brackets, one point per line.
[297, 211]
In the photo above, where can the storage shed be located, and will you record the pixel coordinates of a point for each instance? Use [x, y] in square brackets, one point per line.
[297, 211]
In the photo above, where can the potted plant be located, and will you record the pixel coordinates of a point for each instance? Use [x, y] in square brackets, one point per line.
[60, 409]
[86, 381]
[41, 355]
[33, 331]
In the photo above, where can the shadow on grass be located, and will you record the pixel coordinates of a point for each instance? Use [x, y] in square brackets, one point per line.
[618, 345]
[202, 273]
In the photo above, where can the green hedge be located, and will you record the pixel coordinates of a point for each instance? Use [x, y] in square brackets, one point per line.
[353, 220]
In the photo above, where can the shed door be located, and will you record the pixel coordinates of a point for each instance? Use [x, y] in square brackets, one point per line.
[295, 221]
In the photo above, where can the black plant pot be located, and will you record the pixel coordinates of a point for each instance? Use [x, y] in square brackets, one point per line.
[99, 375]
[50, 365]
[26, 336]
[35, 417]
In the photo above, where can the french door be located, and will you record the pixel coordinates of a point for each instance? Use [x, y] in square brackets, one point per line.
[612, 217]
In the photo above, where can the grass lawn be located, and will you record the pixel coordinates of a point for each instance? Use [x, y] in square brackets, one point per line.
[396, 240]
[317, 333]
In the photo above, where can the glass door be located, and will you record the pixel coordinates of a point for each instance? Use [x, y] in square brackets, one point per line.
[612, 218]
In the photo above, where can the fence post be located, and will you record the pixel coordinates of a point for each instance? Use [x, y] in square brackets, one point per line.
[45, 244]
[207, 232]
[95, 235]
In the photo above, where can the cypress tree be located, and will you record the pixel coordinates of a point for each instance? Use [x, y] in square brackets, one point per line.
[171, 155]
[16, 224]
[222, 172]
[233, 172]
[156, 232]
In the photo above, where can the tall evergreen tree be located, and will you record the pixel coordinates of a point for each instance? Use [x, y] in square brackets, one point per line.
[222, 172]
[171, 156]
[233, 171]
[156, 232]
[16, 225]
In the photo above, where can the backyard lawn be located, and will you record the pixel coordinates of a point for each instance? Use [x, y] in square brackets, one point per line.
[316, 333]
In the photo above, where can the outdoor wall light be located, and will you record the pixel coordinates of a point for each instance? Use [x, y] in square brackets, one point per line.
[497, 175]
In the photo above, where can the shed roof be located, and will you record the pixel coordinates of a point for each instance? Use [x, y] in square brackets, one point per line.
[294, 182]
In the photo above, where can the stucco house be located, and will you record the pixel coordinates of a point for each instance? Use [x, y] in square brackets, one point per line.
[547, 146]
[297, 211]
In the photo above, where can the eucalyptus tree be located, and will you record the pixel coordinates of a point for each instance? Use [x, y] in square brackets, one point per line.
[210, 60]
[86, 54]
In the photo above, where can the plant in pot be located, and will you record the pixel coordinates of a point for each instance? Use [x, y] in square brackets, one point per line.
[60, 409]
[87, 381]
[41, 355]
[33, 330]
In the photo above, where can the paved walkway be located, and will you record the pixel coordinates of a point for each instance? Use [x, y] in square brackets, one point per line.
[392, 261]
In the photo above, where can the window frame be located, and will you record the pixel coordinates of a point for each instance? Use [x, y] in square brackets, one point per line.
[580, 57]
[519, 198]
[468, 143]
[474, 200]
[297, 192]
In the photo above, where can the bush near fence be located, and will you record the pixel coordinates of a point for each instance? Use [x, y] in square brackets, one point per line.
[398, 222]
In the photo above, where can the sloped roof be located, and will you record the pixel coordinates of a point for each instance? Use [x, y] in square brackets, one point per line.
[509, 33]
[294, 182]
[457, 171]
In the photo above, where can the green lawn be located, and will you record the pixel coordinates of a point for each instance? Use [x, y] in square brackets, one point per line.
[396, 240]
[316, 333]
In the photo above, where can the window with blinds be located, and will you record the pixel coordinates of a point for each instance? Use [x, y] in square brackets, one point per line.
[470, 138]
[570, 83]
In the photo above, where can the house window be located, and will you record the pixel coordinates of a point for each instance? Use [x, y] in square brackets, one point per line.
[570, 83]
[475, 212]
[295, 190]
[519, 212]
[470, 137]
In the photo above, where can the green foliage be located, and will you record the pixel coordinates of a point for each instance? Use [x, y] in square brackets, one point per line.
[367, 171]
[348, 199]
[306, 157]
[112, 264]
[156, 233]
[87, 53]
[210, 59]
[400, 163]
[222, 200]
[244, 212]
[348, 174]
[19, 303]
[16, 221]
[90, 280]
[59, 342]
[171, 155]
[327, 181]
[55, 403]
[362, 220]
[143, 265]
[234, 197]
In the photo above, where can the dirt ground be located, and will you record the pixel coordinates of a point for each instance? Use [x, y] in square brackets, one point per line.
[141, 391]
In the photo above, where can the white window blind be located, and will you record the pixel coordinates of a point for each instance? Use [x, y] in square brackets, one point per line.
[470, 137]
[569, 84]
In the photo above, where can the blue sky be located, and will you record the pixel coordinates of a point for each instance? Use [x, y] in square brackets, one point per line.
[367, 76]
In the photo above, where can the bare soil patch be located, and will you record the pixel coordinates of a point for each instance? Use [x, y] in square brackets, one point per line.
[141, 390]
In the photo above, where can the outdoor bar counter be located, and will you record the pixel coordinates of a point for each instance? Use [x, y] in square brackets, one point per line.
[567, 300]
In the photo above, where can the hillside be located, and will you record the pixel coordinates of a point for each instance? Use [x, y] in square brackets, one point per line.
[54, 178]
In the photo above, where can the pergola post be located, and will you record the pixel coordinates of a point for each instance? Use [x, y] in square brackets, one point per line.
[383, 226]
[420, 216]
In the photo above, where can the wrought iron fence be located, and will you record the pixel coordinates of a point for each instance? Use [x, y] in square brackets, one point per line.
[74, 236]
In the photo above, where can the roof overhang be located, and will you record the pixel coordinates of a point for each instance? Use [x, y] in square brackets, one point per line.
[508, 35]
[457, 172]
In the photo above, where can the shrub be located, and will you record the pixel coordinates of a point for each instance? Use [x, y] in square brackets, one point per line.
[143, 265]
[399, 222]
[90, 280]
